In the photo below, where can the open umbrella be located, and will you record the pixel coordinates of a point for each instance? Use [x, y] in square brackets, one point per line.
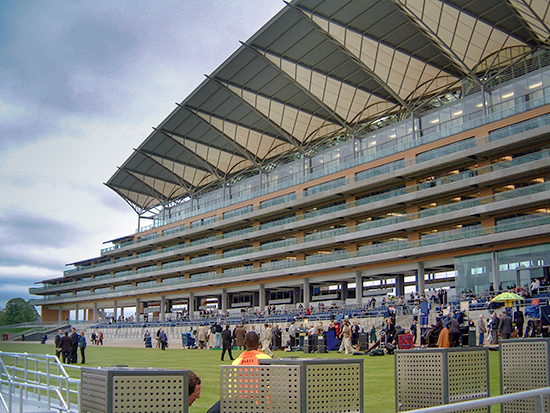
[507, 298]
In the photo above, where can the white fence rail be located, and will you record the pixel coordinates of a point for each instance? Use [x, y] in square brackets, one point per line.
[538, 395]
[37, 380]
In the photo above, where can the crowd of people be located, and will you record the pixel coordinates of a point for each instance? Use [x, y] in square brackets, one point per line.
[536, 287]
[271, 335]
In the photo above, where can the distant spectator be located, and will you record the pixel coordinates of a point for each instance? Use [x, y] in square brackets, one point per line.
[74, 345]
[66, 346]
[227, 342]
[82, 345]
[163, 340]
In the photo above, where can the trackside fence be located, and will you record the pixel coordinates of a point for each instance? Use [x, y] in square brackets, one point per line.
[537, 395]
[37, 380]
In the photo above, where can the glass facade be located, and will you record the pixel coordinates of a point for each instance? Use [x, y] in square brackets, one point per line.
[514, 267]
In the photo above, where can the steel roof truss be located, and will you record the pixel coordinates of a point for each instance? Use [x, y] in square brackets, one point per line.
[152, 191]
[335, 116]
[437, 40]
[179, 180]
[290, 139]
[352, 57]
[207, 165]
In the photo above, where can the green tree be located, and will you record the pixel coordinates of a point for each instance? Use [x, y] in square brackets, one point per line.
[17, 311]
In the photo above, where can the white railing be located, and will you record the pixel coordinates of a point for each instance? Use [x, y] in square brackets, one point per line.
[37, 380]
[537, 394]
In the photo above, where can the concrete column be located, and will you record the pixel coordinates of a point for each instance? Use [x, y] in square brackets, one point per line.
[344, 289]
[76, 313]
[307, 295]
[162, 308]
[400, 285]
[494, 264]
[115, 310]
[60, 315]
[224, 300]
[262, 297]
[296, 295]
[191, 306]
[95, 312]
[420, 284]
[359, 288]
[138, 310]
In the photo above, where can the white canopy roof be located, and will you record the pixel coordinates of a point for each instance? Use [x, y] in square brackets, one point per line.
[320, 67]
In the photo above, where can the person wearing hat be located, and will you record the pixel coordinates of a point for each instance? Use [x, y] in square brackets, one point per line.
[481, 329]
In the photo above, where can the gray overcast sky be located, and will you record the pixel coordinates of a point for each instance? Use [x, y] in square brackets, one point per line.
[82, 83]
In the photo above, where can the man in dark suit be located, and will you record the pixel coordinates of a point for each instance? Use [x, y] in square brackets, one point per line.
[75, 338]
[163, 340]
[66, 348]
[505, 326]
[227, 342]
[519, 319]
[58, 343]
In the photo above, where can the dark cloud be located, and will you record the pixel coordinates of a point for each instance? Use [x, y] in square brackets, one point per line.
[113, 201]
[71, 69]
[44, 58]
[25, 238]
[29, 229]
[13, 288]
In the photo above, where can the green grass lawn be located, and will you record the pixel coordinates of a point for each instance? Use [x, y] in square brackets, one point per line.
[379, 375]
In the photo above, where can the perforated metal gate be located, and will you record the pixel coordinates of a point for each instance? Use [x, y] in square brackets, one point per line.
[260, 389]
[335, 388]
[293, 385]
[133, 390]
[432, 377]
[524, 366]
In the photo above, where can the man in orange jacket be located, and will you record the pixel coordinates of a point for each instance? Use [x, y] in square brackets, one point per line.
[252, 355]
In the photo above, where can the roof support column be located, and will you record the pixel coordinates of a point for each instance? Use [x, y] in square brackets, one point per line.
[359, 289]
[307, 295]
[400, 285]
[224, 301]
[343, 292]
[494, 271]
[162, 308]
[420, 283]
[191, 306]
[115, 310]
[262, 297]
[138, 310]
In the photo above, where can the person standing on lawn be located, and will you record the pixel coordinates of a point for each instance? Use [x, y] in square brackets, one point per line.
[82, 344]
[227, 342]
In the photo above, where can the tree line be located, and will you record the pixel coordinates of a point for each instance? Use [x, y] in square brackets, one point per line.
[17, 311]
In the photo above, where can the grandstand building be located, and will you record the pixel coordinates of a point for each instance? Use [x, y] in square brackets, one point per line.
[348, 146]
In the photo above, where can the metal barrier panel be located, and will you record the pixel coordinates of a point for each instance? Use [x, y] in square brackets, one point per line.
[258, 389]
[134, 390]
[328, 385]
[432, 377]
[524, 366]
[334, 388]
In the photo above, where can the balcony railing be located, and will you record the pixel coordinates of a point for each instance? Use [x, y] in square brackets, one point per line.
[385, 247]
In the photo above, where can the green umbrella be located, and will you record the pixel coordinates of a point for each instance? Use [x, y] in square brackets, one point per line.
[507, 298]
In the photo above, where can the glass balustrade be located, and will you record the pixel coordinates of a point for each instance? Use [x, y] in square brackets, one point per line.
[516, 193]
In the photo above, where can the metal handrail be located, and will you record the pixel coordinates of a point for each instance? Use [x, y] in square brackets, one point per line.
[29, 378]
[537, 394]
